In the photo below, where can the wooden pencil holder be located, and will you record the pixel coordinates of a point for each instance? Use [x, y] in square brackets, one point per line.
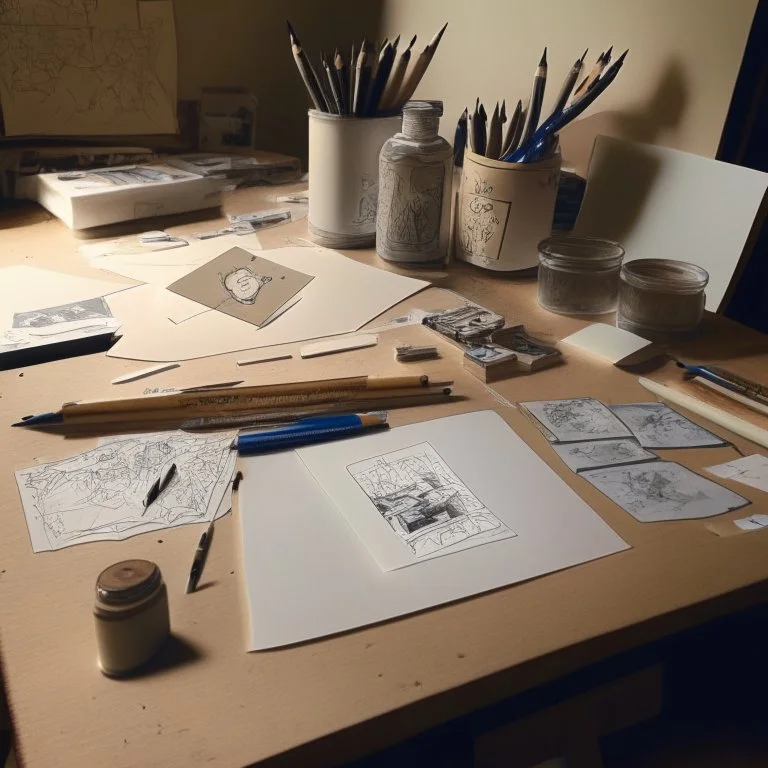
[344, 177]
[504, 211]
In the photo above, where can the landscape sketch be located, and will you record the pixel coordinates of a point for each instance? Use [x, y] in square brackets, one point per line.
[656, 425]
[597, 454]
[576, 419]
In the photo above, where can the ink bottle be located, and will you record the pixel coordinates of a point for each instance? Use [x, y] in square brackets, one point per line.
[415, 178]
[132, 616]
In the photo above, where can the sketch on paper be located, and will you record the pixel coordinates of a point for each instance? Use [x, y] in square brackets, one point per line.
[424, 501]
[98, 495]
[578, 419]
[482, 221]
[410, 204]
[750, 470]
[90, 309]
[598, 454]
[245, 286]
[368, 201]
[87, 67]
[663, 490]
[656, 425]
[122, 177]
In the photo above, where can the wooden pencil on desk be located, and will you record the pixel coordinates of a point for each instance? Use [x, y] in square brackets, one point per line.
[493, 146]
[537, 98]
[307, 73]
[362, 79]
[379, 83]
[342, 78]
[396, 78]
[414, 76]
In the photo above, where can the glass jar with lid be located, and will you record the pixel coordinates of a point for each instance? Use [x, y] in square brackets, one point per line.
[579, 275]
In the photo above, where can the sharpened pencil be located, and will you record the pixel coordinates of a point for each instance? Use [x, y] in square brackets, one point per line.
[342, 78]
[396, 78]
[379, 83]
[307, 73]
[537, 98]
[413, 78]
[514, 129]
[568, 83]
[479, 138]
[362, 78]
[460, 139]
[333, 84]
[493, 146]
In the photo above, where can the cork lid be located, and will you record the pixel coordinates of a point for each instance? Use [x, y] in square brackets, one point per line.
[127, 581]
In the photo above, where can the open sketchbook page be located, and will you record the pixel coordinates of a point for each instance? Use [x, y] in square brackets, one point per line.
[98, 495]
[576, 419]
[656, 425]
[663, 490]
[82, 68]
[294, 536]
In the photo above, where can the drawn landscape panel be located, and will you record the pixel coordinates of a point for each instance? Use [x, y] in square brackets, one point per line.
[656, 425]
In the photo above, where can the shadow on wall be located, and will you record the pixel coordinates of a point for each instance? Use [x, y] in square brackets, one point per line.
[651, 122]
[243, 43]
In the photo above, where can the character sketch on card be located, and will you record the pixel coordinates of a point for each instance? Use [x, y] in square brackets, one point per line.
[424, 501]
[483, 221]
[656, 425]
[577, 419]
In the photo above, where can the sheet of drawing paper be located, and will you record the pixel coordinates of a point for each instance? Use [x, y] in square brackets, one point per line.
[656, 425]
[663, 203]
[663, 490]
[242, 284]
[596, 454]
[750, 470]
[115, 67]
[98, 495]
[24, 289]
[429, 489]
[294, 536]
[343, 297]
[575, 420]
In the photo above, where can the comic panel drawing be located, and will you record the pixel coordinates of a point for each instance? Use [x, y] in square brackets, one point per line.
[482, 220]
[663, 490]
[424, 501]
[597, 454]
[577, 419]
[656, 425]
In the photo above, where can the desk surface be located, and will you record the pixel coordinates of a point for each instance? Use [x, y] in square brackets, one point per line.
[335, 698]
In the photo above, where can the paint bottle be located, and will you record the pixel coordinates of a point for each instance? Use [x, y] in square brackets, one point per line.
[414, 212]
[131, 613]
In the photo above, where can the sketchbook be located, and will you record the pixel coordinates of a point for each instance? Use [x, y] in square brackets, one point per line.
[295, 535]
[98, 495]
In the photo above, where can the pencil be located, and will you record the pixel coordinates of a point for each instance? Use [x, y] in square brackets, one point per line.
[413, 78]
[362, 79]
[307, 73]
[537, 97]
[596, 71]
[514, 129]
[342, 78]
[568, 83]
[503, 112]
[396, 78]
[336, 103]
[478, 129]
[352, 81]
[460, 139]
[493, 147]
[386, 59]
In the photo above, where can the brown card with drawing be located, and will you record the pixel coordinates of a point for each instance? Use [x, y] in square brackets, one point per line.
[242, 285]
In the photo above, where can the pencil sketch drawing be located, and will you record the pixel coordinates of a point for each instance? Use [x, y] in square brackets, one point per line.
[367, 202]
[596, 454]
[656, 425]
[483, 220]
[98, 495]
[663, 490]
[91, 309]
[411, 200]
[243, 285]
[423, 501]
[577, 419]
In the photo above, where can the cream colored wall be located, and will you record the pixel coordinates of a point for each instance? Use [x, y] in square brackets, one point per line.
[674, 88]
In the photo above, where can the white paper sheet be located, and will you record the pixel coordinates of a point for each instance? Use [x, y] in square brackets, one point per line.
[597, 454]
[752, 523]
[664, 203]
[612, 344]
[576, 419]
[663, 490]
[308, 575]
[343, 297]
[23, 289]
[88, 68]
[97, 495]
[750, 470]
[656, 425]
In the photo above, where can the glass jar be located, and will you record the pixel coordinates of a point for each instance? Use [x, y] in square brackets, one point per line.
[132, 616]
[579, 275]
[660, 299]
[413, 216]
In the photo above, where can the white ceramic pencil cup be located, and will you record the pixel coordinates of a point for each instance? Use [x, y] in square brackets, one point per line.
[344, 176]
[504, 211]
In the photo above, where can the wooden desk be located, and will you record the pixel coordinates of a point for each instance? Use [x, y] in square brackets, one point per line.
[334, 699]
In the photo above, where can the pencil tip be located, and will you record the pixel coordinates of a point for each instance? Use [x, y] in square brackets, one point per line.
[622, 57]
[608, 54]
[543, 60]
[437, 38]
[396, 41]
[290, 31]
[583, 56]
[413, 42]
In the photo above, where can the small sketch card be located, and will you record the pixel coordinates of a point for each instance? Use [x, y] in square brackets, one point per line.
[575, 420]
[750, 470]
[90, 309]
[240, 284]
[656, 425]
[597, 454]
[663, 490]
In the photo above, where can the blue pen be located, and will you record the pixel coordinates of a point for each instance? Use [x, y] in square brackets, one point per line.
[314, 429]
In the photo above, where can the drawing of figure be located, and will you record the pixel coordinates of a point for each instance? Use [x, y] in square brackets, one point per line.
[369, 196]
[415, 216]
[243, 285]
[480, 224]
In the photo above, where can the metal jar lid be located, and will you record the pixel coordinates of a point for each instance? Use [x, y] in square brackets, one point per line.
[128, 581]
